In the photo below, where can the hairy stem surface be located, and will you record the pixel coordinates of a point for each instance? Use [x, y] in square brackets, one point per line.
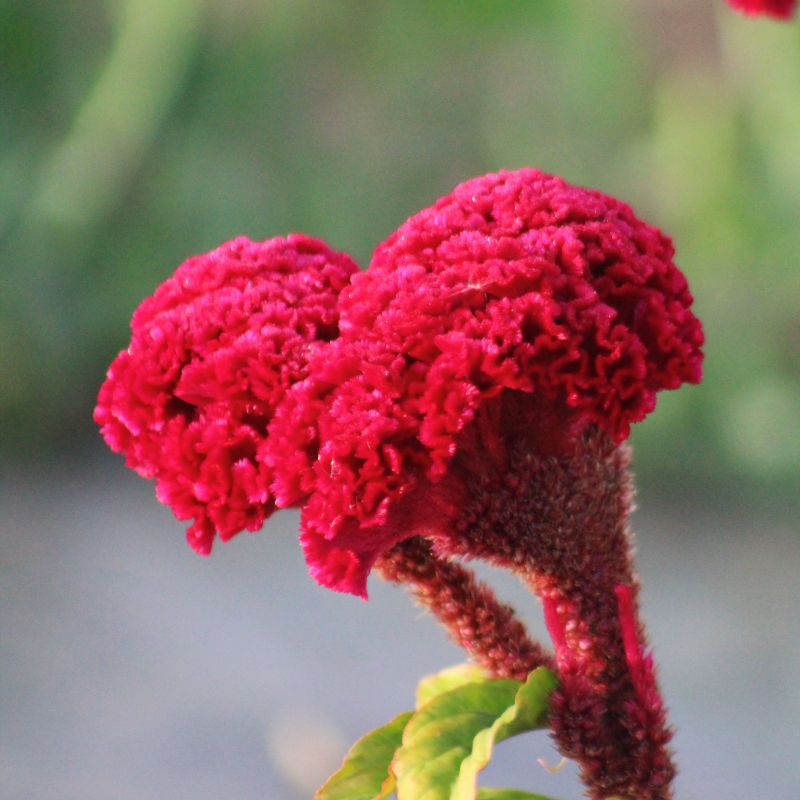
[468, 608]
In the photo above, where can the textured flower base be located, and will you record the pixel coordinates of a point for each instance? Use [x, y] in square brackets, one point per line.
[558, 518]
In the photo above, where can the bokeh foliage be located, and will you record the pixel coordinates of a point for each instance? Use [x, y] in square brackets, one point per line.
[134, 133]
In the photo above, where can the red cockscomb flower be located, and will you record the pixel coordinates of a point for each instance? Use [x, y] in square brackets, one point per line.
[516, 282]
[189, 403]
[781, 9]
[212, 353]
[468, 396]
[490, 363]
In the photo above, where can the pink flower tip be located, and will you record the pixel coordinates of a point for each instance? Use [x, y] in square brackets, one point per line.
[779, 9]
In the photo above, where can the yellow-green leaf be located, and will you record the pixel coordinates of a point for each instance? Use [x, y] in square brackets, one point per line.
[449, 740]
[447, 680]
[508, 794]
[364, 774]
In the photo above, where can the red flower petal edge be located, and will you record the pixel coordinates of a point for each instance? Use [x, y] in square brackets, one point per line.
[212, 353]
[780, 9]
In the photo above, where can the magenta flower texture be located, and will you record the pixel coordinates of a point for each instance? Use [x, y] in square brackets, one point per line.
[780, 9]
[212, 354]
[515, 282]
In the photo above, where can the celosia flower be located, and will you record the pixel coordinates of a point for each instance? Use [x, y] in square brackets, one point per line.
[467, 396]
[781, 9]
[189, 403]
[516, 282]
[490, 363]
[212, 353]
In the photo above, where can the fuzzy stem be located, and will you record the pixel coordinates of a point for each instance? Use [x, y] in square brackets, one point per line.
[473, 616]
[562, 526]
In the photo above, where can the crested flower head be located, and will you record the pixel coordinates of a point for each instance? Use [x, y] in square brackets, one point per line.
[780, 9]
[468, 396]
[519, 280]
[212, 354]
[518, 306]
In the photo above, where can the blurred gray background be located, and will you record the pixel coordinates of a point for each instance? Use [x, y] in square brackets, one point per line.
[134, 133]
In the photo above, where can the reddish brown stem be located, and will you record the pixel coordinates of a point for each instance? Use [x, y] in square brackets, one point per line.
[562, 525]
[473, 616]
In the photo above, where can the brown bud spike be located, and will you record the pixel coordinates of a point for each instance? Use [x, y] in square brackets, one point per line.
[475, 619]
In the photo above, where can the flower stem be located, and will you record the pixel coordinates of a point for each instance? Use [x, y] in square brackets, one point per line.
[561, 524]
[473, 616]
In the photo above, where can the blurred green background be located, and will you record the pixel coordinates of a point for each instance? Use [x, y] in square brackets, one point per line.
[134, 133]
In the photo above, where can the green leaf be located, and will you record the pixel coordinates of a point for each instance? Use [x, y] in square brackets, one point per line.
[449, 741]
[447, 680]
[365, 774]
[508, 794]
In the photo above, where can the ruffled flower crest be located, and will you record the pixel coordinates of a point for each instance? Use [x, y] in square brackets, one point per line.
[515, 281]
[212, 354]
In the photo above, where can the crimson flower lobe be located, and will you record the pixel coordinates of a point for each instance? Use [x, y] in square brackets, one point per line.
[212, 353]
